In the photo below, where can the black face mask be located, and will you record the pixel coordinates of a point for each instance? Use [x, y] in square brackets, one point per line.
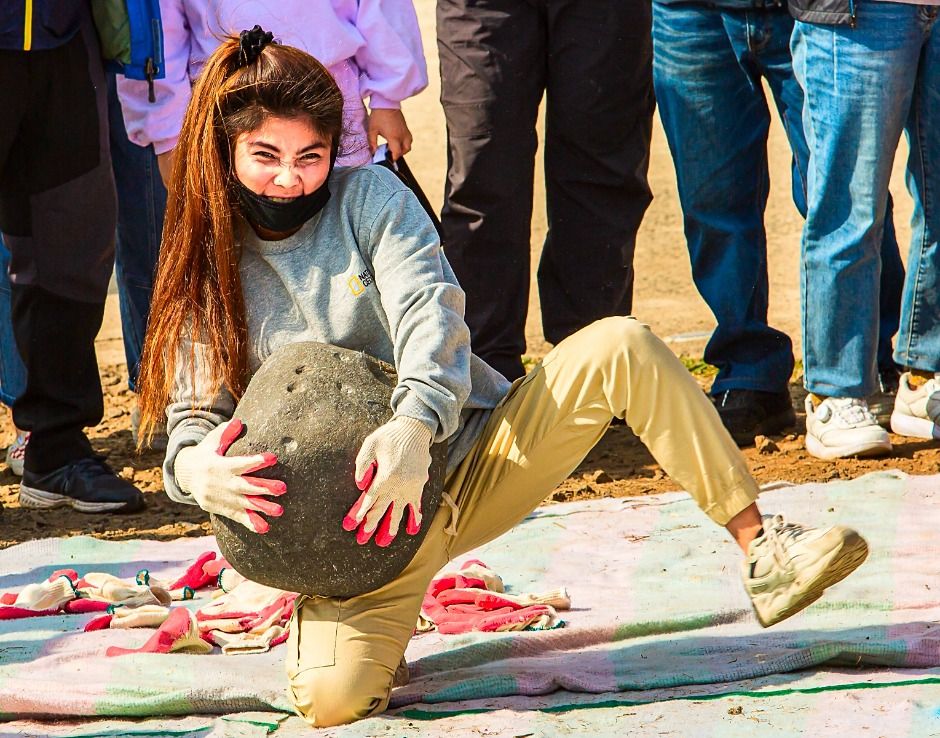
[280, 217]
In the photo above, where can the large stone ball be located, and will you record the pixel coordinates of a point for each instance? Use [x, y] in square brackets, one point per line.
[313, 404]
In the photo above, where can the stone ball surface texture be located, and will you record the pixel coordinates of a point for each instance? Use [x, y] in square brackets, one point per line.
[312, 405]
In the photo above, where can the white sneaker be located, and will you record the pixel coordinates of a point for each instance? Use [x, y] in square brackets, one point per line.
[16, 453]
[917, 410]
[843, 426]
[790, 566]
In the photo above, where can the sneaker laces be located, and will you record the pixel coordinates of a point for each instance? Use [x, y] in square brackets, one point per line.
[781, 536]
[851, 411]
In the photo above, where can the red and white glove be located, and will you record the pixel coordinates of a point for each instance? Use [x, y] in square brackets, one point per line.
[218, 483]
[391, 469]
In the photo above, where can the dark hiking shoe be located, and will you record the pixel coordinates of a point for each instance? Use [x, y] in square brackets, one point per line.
[88, 485]
[881, 403]
[748, 413]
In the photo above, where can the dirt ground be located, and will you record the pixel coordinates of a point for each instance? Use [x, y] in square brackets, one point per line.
[619, 466]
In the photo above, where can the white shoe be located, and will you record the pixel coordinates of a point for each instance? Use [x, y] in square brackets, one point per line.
[789, 566]
[917, 410]
[843, 426]
[16, 453]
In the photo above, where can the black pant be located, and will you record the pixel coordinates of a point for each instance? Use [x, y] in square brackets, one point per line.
[593, 60]
[57, 216]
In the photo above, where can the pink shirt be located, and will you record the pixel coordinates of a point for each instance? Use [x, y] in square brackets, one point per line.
[372, 47]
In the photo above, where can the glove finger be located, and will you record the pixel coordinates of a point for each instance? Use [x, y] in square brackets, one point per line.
[264, 505]
[371, 521]
[365, 479]
[260, 461]
[232, 430]
[273, 486]
[388, 527]
[362, 535]
[357, 512]
[379, 510]
[256, 522]
[413, 524]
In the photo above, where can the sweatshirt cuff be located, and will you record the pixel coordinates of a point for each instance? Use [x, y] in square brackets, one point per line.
[179, 441]
[377, 101]
[411, 407]
[164, 145]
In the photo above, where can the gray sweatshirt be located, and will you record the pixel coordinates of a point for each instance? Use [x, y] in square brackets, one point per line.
[366, 273]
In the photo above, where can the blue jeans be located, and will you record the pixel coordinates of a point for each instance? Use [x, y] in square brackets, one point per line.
[864, 85]
[141, 205]
[12, 371]
[708, 65]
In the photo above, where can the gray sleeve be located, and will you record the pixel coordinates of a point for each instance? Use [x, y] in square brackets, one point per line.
[194, 410]
[425, 310]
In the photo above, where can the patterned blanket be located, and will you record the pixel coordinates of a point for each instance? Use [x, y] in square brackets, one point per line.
[658, 617]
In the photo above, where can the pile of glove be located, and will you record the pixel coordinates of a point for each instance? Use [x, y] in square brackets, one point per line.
[243, 617]
[472, 598]
[247, 617]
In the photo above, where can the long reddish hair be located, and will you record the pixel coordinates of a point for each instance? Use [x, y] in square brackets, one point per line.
[198, 292]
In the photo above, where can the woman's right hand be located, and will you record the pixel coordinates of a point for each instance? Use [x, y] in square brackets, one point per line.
[218, 483]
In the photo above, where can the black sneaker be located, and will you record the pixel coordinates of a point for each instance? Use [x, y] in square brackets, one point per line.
[748, 413]
[88, 485]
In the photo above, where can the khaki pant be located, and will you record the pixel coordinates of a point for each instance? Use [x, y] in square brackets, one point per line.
[343, 653]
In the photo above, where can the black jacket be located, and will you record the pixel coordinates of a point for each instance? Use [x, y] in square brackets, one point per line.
[31, 25]
[828, 12]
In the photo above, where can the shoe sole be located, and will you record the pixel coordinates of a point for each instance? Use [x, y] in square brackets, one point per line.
[40, 499]
[828, 571]
[908, 425]
[828, 453]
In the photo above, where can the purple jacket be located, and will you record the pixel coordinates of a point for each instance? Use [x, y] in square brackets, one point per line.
[372, 47]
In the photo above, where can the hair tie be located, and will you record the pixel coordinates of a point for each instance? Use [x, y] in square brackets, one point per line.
[251, 44]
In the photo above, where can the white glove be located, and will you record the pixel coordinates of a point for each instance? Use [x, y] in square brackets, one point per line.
[391, 469]
[217, 484]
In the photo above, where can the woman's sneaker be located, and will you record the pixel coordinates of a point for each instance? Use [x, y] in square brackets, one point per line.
[917, 408]
[789, 566]
[843, 426]
[87, 485]
[16, 453]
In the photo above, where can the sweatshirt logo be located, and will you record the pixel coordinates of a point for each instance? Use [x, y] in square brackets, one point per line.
[358, 283]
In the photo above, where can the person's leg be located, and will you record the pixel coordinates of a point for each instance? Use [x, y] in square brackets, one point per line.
[551, 419]
[917, 408]
[141, 204]
[598, 125]
[708, 87]
[858, 84]
[57, 214]
[777, 67]
[12, 371]
[343, 653]
[492, 77]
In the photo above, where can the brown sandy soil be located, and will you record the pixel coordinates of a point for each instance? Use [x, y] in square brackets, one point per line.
[664, 297]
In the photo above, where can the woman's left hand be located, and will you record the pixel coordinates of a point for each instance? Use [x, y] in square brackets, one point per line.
[391, 470]
[389, 123]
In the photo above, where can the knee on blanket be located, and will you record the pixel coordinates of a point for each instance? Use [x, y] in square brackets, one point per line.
[340, 694]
